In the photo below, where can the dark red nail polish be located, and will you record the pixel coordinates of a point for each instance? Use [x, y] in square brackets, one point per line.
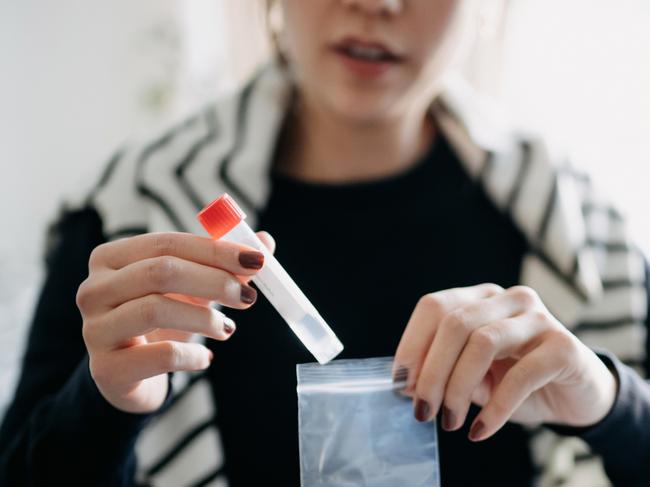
[422, 410]
[448, 419]
[251, 259]
[229, 325]
[400, 381]
[476, 432]
[248, 294]
[401, 376]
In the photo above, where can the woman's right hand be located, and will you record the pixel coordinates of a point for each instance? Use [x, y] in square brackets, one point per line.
[146, 296]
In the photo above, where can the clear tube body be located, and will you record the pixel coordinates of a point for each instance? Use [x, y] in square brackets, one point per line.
[287, 298]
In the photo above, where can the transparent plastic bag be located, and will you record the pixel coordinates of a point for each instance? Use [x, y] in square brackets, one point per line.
[356, 430]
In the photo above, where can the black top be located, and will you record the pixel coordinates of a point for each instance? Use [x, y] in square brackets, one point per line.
[363, 253]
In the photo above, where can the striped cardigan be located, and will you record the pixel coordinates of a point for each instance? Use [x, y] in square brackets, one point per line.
[580, 259]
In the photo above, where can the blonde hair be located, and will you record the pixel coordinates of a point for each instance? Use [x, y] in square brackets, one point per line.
[273, 30]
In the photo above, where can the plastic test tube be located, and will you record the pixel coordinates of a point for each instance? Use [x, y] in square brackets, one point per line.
[224, 219]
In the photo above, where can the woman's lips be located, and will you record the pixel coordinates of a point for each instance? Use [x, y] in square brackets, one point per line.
[365, 59]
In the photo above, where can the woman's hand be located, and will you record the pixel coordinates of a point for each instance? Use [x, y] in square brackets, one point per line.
[146, 296]
[503, 350]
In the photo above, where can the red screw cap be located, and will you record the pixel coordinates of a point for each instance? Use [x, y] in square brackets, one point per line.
[221, 216]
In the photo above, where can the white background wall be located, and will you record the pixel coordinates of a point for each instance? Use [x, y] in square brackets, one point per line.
[580, 70]
[80, 75]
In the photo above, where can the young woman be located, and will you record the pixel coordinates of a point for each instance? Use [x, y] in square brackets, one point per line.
[417, 225]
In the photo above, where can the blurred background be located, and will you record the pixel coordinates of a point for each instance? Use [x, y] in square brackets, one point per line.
[80, 76]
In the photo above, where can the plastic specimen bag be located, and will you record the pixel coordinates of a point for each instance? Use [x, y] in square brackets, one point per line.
[357, 430]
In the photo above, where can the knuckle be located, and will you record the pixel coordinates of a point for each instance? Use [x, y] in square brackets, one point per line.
[485, 338]
[164, 244]
[85, 295]
[161, 271]
[81, 299]
[99, 372]
[500, 408]
[423, 390]
[454, 397]
[171, 355]
[541, 317]
[492, 288]
[97, 255]
[520, 374]
[431, 302]
[149, 311]
[425, 385]
[525, 295]
[458, 321]
[564, 344]
[229, 287]
[89, 332]
[211, 318]
[217, 252]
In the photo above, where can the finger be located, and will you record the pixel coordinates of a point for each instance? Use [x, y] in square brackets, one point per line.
[267, 240]
[495, 341]
[532, 372]
[130, 365]
[451, 337]
[137, 317]
[422, 325]
[269, 243]
[162, 275]
[190, 299]
[232, 257]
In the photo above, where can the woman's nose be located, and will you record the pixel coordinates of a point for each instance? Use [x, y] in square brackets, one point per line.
[376, 6]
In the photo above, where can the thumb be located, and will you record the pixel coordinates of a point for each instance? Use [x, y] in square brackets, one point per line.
[267, 240]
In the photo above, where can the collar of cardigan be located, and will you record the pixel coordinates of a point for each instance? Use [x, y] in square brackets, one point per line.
[523, 175]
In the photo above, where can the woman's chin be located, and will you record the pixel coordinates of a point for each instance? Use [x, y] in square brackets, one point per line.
[362, 108]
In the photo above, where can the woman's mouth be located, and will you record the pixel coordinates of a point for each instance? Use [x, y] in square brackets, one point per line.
[366, 59]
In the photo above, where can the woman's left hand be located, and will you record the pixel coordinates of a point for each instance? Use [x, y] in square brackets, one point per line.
[504, 351]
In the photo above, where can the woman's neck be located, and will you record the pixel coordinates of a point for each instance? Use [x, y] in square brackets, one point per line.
[318, 146]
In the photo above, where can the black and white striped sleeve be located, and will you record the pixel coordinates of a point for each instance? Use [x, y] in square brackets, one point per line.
[622, 438]
[58, 428]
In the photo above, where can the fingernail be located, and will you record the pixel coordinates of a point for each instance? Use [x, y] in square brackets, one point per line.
[476, 432]
[251, 259]
[210, 355]
[248, 294]
[422, 410]
[228, 325]
[400, 381]
[448, 419]
[401, 376]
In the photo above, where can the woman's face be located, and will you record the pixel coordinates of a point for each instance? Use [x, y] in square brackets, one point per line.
[371, 60]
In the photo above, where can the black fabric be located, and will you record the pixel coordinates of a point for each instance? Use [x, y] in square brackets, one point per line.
[616, 438]
[364, 254]
[59, 430]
